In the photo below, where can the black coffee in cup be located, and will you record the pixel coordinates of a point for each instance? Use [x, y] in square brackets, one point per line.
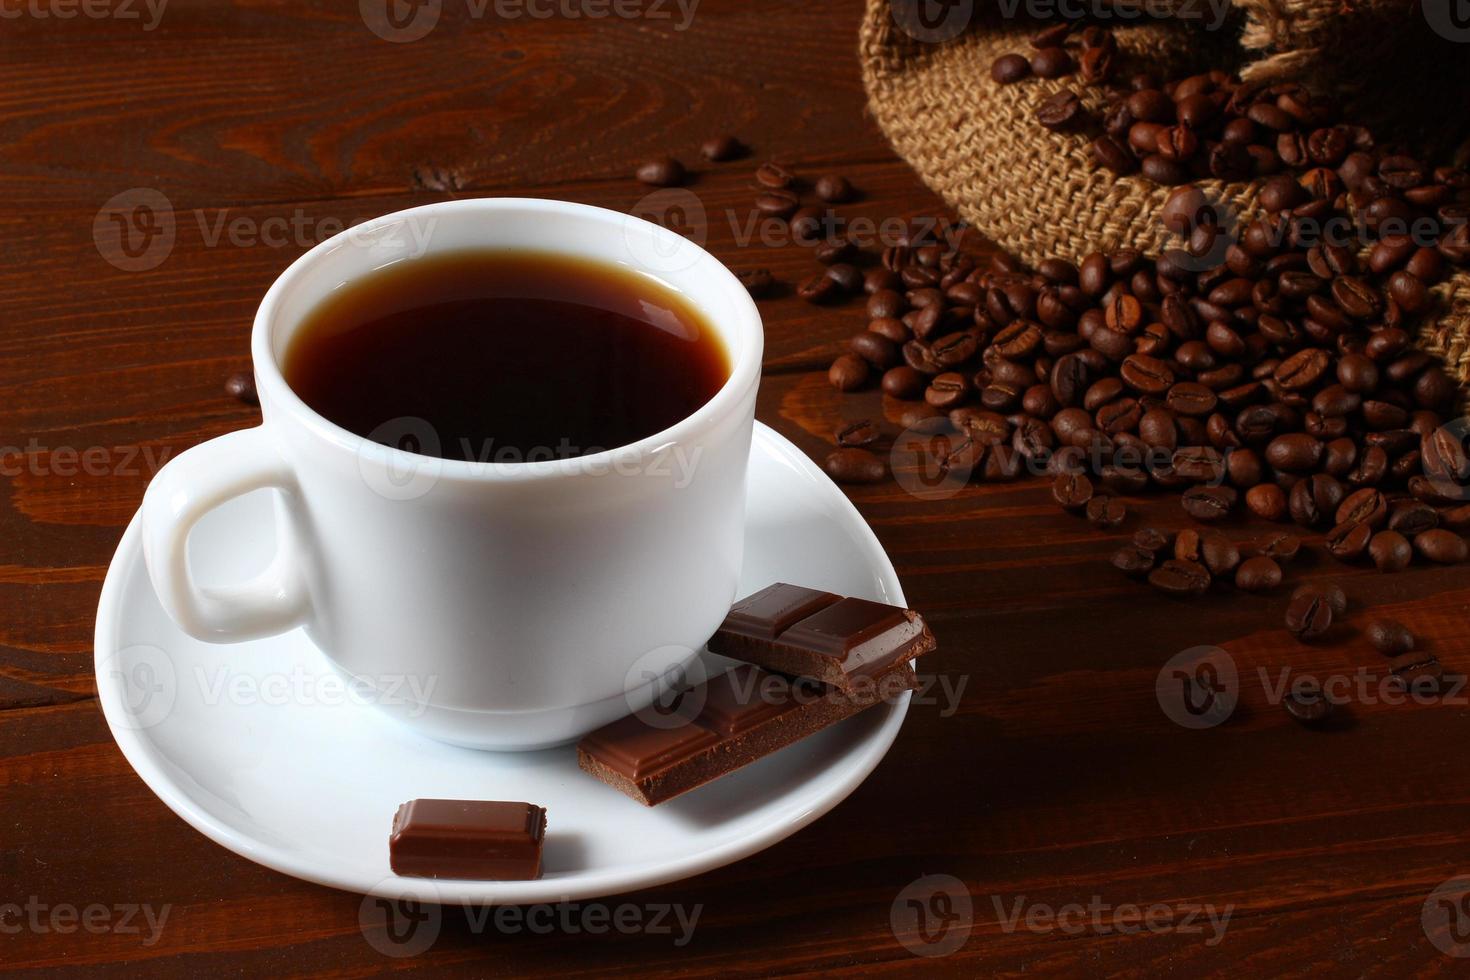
[505, 356]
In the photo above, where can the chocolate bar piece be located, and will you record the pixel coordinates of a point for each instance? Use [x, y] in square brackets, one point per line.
[722, 725]
[467, 839]
[816, 634]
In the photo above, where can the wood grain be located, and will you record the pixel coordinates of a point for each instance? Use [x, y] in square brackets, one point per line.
[1044, 775]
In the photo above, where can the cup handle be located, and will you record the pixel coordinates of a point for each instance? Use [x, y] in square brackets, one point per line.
[190, 486]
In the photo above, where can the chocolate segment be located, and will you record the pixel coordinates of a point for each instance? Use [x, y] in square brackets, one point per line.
[723, 725]
[814, 634]
[485, 839]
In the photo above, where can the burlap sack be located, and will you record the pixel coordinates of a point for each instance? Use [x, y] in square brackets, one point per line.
[1038, 193]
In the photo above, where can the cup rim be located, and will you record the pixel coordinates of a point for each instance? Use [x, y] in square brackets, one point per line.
[739, 325]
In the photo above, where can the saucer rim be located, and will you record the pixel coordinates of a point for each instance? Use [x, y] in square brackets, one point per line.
[144, 757]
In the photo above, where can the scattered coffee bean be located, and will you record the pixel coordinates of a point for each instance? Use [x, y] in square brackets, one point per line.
[1308, 615]
[855, 466]
[1072, 490]
[662, 171]
[1106, 511]
[1133, 560]
[1332, 593]
[774, 176]
[1009, 69]
[1152, 539]
[820, 288]
[758, 282]
[1390, 551]
[1306, 702]
[1278, 546]
[834, 189]
[848, 372]
[721, 148]
[241, 387]
[1209, 504]
[1390, 637]
[1258, 574]
[1416, 672]
[1440, 546]
[1219, 553]
[1347, 542]
[862, 432]
[1180, 578]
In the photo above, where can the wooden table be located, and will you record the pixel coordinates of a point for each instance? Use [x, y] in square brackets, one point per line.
[1056, 780]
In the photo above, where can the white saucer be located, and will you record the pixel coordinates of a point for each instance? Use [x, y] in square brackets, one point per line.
[261, 747]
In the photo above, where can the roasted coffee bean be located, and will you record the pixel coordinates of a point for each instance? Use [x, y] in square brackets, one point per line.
[848, 372]
[1106, 511]
[1339, 457]
[1052, 62]
[1258, 574]
[1218, 553]
[1303, 369]
[774, 176]
[1133, 560]
[1440, 546]
[1390, 551]
[1306, 702]
[1266, 500]
[720, 148]
[876, 349]
[855, 466]
[1330, 592]
[846, 276]
[1009, 68]
[1308, 615]
[1180, 578]
[886, 303]
[1209, 504]
[1148, 375]
[948, 390]
[777, 203]
[1418, 673]
[862, 432]
[834, 189]
[1189, 545]
[1203, 464]
[758, 282]
[1347, 542]
[1072, 490]
[1152, 539]
[1390, 637]
[1069, 380]
[878, 279]
[1243, 466]
[662, 171]
[820, 288]
[1061, 112]
[1295, 452]
[241, 387]
[1411, 517]
[903, 382]
[1365, 506]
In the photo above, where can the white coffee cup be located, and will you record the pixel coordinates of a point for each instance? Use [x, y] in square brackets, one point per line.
[523, 603]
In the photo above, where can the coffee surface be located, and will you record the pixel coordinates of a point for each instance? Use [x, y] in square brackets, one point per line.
[505, 356]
